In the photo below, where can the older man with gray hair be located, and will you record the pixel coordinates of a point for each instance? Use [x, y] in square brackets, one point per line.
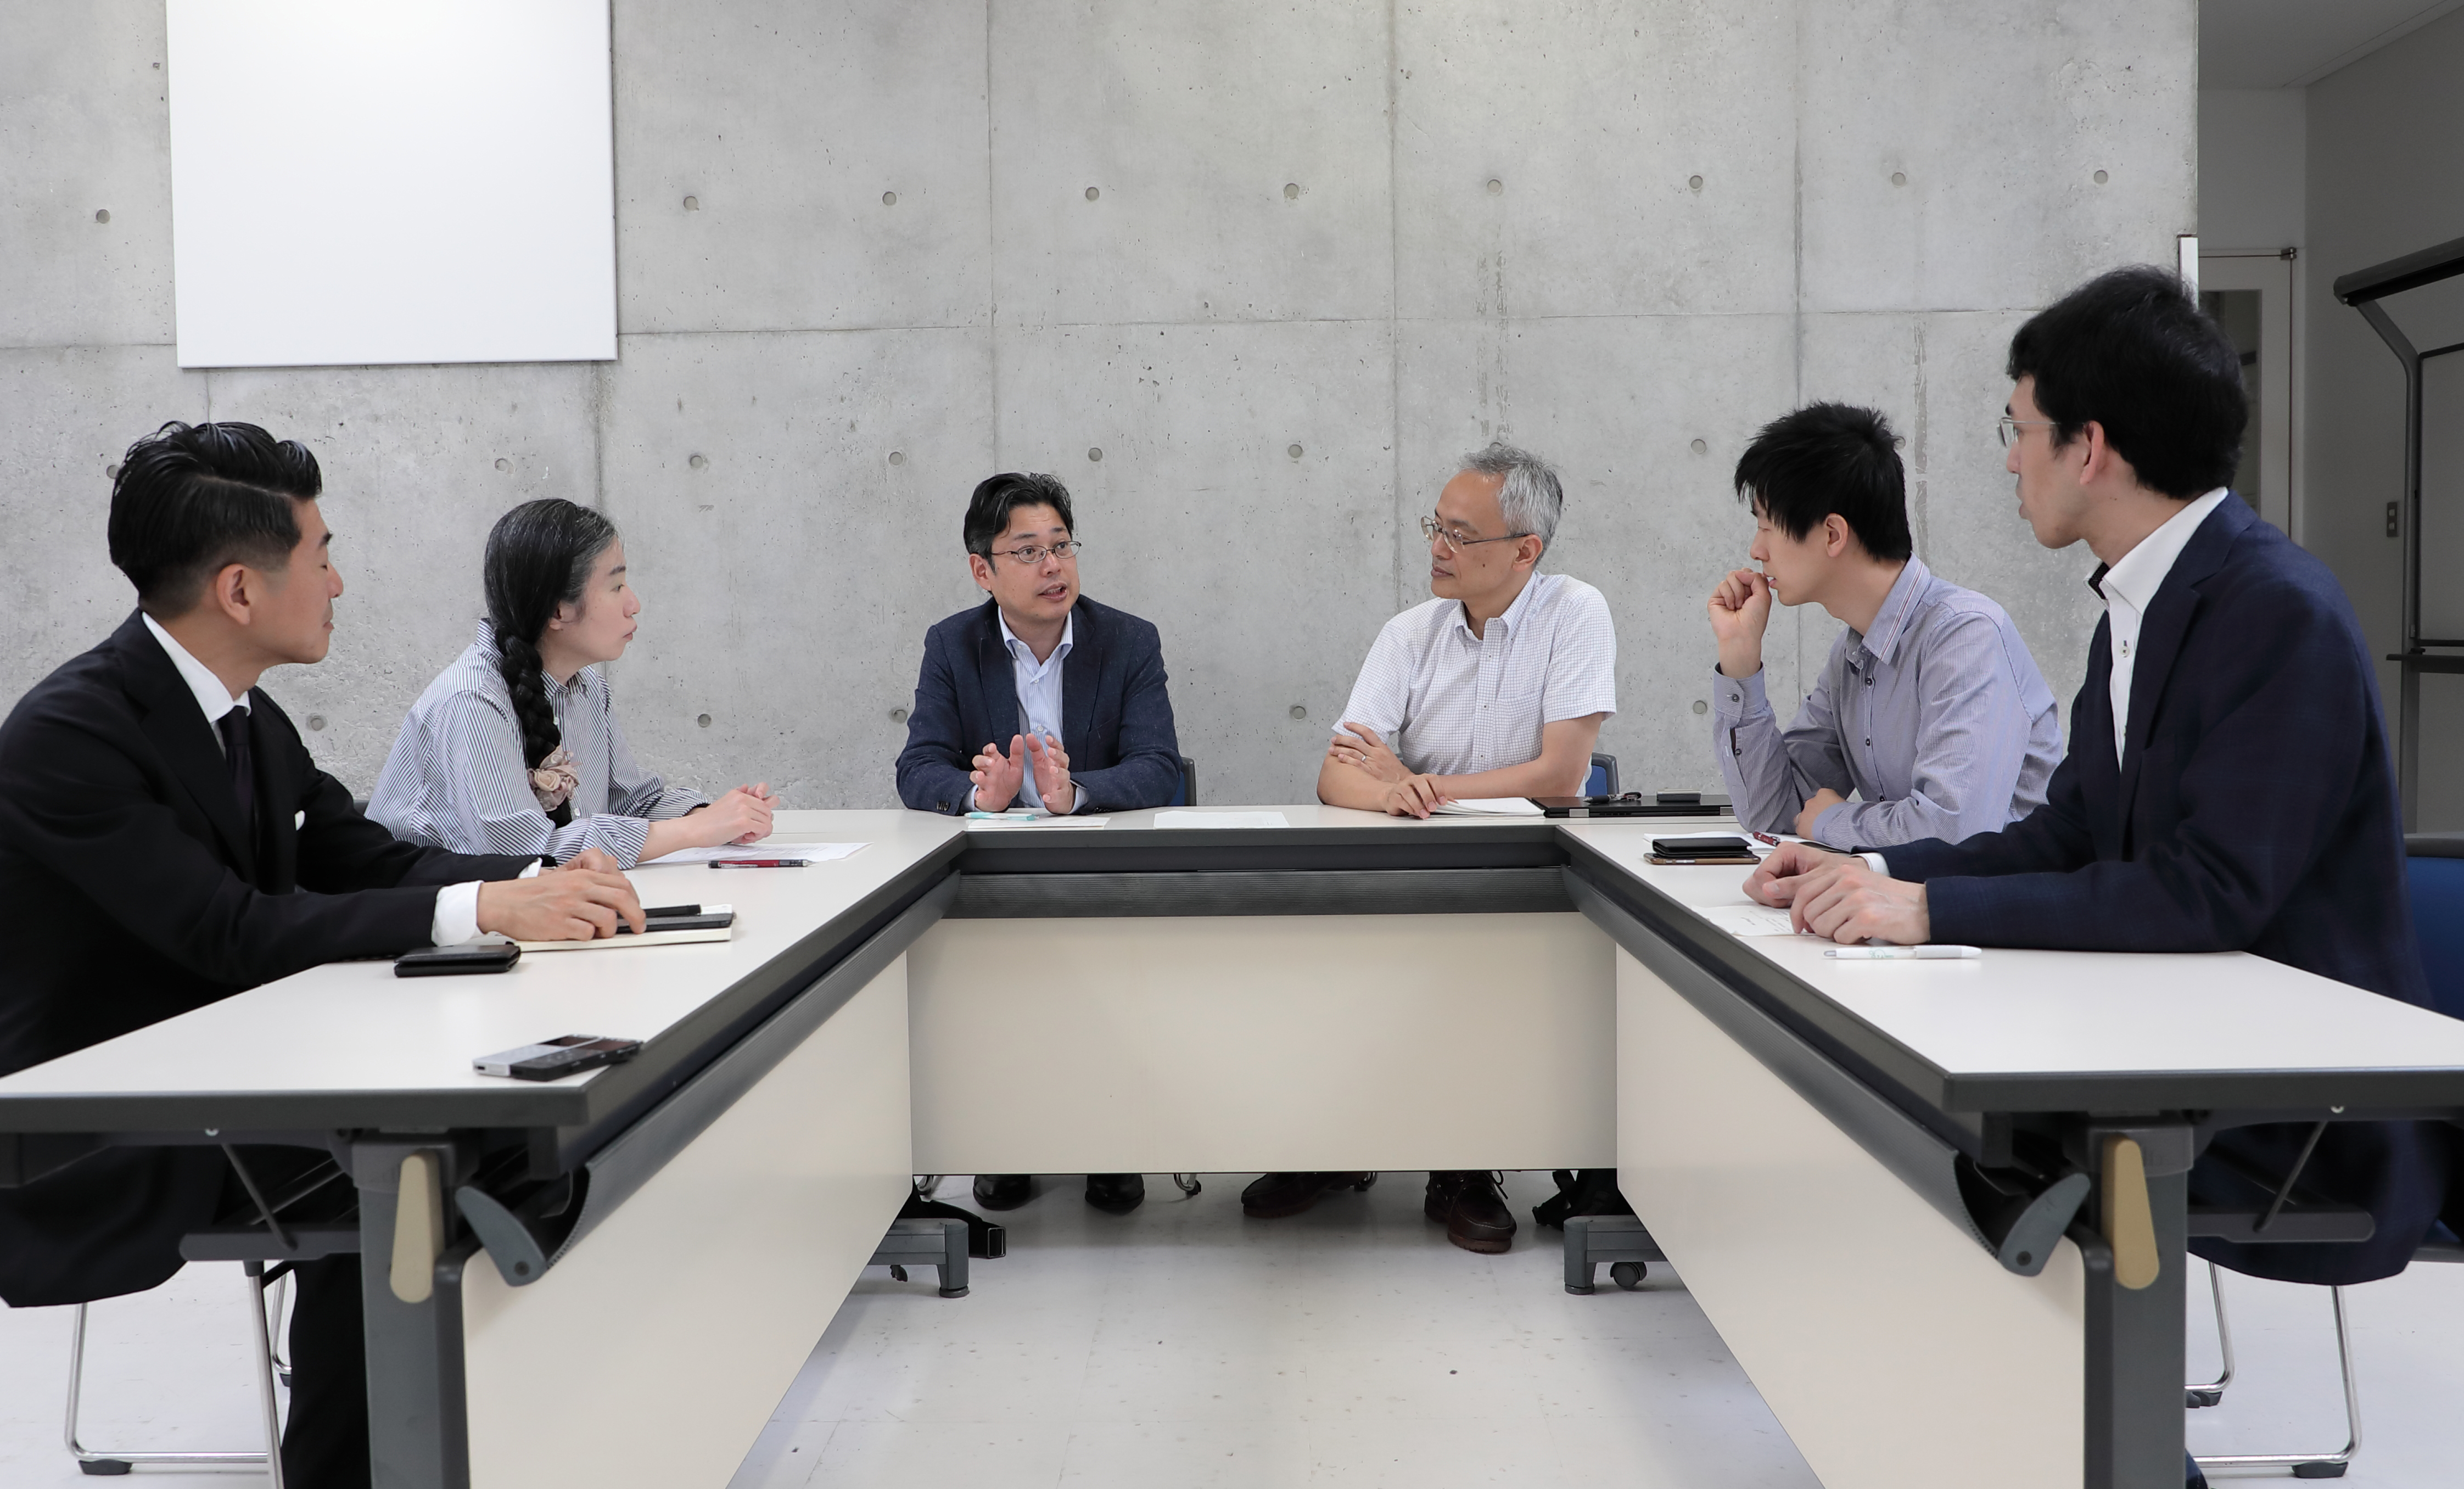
[1495, 687]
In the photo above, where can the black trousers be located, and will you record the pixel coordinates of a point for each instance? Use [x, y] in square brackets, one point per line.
[325, 1445]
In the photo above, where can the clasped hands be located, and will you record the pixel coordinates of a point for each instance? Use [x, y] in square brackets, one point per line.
[998, 775]
[1839, 896]
[581, 899]
[741, 815]
[1407, 794]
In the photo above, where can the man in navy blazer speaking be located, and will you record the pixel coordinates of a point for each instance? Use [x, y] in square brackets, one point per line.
[1040, 698]
[2228, 785]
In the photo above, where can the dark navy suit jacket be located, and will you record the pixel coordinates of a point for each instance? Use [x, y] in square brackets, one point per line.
[121, 839]
[2253, 809]
[1116, 713]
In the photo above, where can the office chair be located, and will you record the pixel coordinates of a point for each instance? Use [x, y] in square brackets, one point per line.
[1602, 781]
[265, 1239]
[2435, 873]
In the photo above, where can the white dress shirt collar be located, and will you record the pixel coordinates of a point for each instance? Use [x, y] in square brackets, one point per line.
[1023, 654]
[1509, 618]
[215, 699]
[2142, 571]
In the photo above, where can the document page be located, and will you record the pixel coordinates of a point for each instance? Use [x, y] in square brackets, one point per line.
[801, 852]
[1489, 806]
[1747, 920]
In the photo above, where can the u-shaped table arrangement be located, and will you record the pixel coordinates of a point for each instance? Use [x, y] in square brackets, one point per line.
[1936, 1208]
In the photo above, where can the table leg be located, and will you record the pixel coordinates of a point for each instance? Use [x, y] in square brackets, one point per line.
[2135, 1355]
[418, 1431]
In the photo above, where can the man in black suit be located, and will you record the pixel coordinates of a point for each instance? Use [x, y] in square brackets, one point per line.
[162, 821]
[2227, 786]
[1075, 688]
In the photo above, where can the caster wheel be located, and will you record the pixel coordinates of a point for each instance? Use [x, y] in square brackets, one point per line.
[897, 1273]
[1363, 1186]
[1628, 1275]
[2195, 1399]
[1188, 1185]
[102, 1468]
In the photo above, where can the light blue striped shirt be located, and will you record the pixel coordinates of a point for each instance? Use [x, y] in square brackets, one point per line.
[1936, 725]
[456, 777]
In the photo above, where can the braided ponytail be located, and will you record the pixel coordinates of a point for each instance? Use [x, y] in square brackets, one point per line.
[539, 556]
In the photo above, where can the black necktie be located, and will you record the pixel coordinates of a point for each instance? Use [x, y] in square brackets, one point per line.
[243, 769]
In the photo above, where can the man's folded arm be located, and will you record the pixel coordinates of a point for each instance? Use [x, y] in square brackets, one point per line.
[2261, 792]
[80, 808]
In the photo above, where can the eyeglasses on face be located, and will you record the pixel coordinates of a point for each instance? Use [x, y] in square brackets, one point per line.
[1029, 554]
[1437, 532]
[2007, 429]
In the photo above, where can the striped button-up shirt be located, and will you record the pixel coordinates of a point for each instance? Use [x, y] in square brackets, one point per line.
[1450, 703]
[456, 777]
[1937, 723]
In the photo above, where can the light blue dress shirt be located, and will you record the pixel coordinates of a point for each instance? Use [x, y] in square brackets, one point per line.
[1038, 701]
[1936, 725]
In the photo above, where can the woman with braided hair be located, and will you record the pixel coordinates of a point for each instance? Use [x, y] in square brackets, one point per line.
[515, 749]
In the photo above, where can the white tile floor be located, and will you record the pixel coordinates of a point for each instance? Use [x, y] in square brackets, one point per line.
[1184, 1346]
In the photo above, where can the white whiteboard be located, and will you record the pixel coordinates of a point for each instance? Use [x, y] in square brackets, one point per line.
[371, 181]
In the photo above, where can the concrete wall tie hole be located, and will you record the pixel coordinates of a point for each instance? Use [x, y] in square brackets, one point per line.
[1694, 183]
[889, 199]
[1899, 178]
[1294, 450]
[898, 457]
[1093, 453]
[1092, 193]
[1299, 712]
[1292, 190]
[697, 462]
[1700, 707]
[1700, 449]
[103, 215]
[316, 721]
[692, 203]
[899, 715]
[702, 719]
[503, 463]
[2101, 178]
[1495, 186]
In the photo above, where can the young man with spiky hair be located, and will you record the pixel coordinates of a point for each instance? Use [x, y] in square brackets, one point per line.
[1930, 718]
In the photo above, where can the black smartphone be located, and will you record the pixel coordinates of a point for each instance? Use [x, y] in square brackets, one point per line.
[562, 1057]
[1721, 847]
[456, 961]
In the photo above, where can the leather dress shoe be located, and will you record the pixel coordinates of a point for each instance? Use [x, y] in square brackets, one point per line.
[1116, 1193]
[1004, 1191]
[1276, 1197]
[1469, 1205]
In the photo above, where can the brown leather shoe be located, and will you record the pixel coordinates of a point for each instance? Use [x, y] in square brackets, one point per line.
[1276, 1197]
[1471, 1207]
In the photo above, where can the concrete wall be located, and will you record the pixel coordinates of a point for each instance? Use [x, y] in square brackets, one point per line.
[2386, 146]
[1278, 263]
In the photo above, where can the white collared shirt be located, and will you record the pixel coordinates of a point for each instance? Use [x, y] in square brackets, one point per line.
[457, 921]
[1039, 700]
[1450, 703]
[2129, 587]
[213, 697]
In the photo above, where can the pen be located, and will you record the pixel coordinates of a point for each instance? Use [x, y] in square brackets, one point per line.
[759, 863]
[1904, 954]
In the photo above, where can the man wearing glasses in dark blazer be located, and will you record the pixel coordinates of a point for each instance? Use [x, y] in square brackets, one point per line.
[1038, 698]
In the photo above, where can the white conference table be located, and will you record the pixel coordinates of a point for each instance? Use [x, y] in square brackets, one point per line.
[1870, 1175]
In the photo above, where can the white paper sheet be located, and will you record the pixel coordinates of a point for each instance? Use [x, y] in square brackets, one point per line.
[1747, 920]
[1221, 819]
[807, 852]
[1489, 806]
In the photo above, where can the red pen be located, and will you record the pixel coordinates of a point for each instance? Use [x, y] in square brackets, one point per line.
[759, 863]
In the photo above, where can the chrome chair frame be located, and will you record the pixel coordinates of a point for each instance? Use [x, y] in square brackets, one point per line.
[110, 1461]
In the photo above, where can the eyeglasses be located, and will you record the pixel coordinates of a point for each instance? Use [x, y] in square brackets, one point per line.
[1436, 533]
[1033, 552]
[2007, 429]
